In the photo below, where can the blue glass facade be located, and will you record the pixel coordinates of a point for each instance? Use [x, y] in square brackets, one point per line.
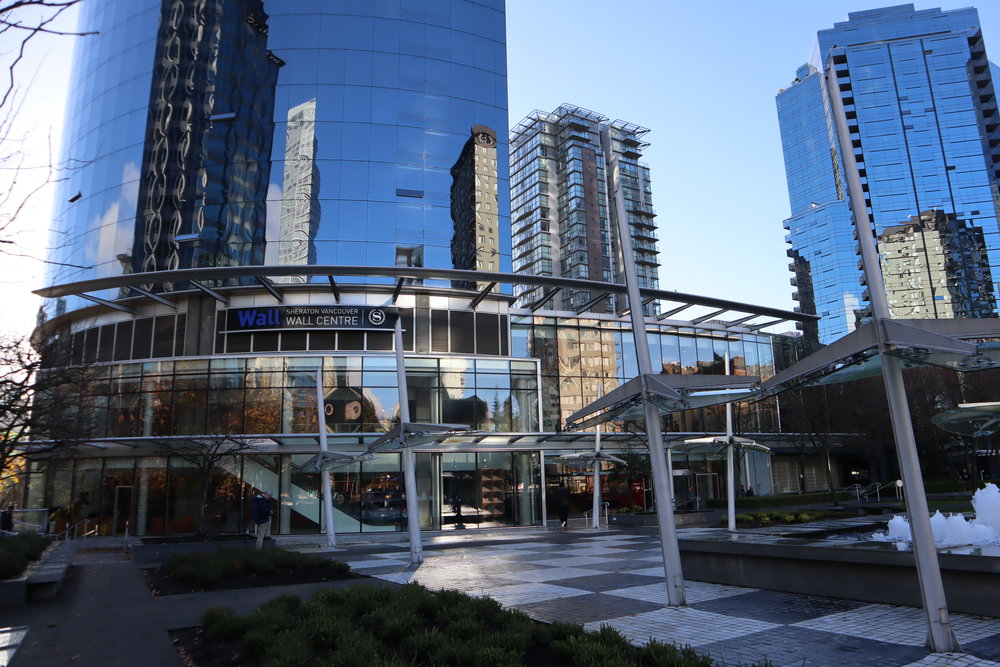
[920, 109]
[234, 132]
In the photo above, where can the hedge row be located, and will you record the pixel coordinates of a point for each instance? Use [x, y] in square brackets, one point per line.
[365, 625]
[16, 552]
[783, 499]
[205, 569]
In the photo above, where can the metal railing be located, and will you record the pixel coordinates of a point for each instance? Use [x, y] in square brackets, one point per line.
[696, 500]
[73, 532]
[587, 513]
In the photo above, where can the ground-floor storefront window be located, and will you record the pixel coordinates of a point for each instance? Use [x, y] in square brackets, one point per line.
[173, 495]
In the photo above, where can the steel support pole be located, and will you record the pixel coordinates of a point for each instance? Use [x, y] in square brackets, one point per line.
[672, 571]
[409, 458]
[940, 637]
[596, 523]
[730, 480]
[331, 531]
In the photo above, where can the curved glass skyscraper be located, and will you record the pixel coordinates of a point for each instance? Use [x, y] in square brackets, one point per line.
[222, 150]
[237, 132]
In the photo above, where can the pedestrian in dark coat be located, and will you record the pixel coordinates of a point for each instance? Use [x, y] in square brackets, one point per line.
[262, 516]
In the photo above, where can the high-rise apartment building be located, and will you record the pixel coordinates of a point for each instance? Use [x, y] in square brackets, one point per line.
[574, 173]
[911, 95]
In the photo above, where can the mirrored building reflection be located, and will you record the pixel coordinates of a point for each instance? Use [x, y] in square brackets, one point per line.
[919, 113]
[300, 206]
[207, 146]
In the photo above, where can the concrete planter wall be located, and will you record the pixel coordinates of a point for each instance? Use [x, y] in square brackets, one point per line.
[876, 573]
[160, 549]
[649, 519]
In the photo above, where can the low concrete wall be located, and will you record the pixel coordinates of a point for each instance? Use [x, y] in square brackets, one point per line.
[854, 573]
[159, 550]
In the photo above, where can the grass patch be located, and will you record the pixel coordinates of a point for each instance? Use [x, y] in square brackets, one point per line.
[366, 625]
[17, 551]
[240, 568]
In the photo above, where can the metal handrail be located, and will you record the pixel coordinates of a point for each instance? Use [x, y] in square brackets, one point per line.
[76, 535]
[606, 505]
[695, 499]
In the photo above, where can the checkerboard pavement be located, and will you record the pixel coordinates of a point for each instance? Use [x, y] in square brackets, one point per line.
[616, 579]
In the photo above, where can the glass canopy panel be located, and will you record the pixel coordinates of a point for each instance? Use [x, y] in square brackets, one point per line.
[976, 421]
[988, 357]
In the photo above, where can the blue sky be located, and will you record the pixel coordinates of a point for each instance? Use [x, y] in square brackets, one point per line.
[702, 75]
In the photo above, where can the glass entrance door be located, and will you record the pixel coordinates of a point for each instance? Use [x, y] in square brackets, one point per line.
[122, 511]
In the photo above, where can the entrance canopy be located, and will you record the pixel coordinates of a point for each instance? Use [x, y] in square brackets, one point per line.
[959, 345]
[715, 445]
[975, 420]
[669, 393]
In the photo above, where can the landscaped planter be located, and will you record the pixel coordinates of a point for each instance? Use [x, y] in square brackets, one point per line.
[649, 519]
[159, 549]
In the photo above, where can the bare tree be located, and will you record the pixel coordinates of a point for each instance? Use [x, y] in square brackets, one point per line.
[208, 454]
[36, 414]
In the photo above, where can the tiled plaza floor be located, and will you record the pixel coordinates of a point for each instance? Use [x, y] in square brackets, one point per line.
[105, 615]
[616, 579]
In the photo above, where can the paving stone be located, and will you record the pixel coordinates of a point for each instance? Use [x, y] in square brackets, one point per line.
[584, 608]
[776, 607]
[789, 646]
[605, 581]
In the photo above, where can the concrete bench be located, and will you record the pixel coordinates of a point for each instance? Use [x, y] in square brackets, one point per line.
[41, 581]
[45, 581]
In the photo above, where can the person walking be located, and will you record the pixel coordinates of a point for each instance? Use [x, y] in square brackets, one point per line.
[7, 520]
[562, 502]
[262, 516]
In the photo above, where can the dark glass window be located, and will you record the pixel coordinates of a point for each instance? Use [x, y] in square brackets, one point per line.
[488, 338]
[380, 340]
[123, 341]
[79, 347]
[504, 327]
[163, 336]
[106, 347]
[143, 338]
[406, 315]
[439, 330]
[180, 337]
[463, 333]
[265, 342]
[294, 340]
[238, 342]
[351, 340]
[323, 340]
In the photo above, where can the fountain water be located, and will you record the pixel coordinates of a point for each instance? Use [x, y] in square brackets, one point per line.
[955, 530]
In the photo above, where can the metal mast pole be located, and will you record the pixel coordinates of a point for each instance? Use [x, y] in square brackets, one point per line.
[672, 570]
[730, 481]
[409, 459]
[940, 636]
[596, 524]
[331, 531]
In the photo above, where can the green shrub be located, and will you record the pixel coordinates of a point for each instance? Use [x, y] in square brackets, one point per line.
[17, 551]
[364, 626]
[206, 569]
